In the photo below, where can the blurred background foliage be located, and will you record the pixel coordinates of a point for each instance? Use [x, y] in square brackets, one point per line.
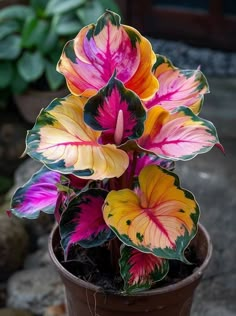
[32, 36]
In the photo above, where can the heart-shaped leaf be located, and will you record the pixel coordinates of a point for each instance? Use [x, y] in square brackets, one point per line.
[90, 60]
[159, 217]
[82, 223]
[62, 141]
[178, 87]
[141, 270]
[117, 112]
[180, 135]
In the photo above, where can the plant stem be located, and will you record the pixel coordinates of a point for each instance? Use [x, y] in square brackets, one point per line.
[114, 246]
[132, 173]
[112, 184]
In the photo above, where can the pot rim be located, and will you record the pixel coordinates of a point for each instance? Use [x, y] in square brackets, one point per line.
[197, 274]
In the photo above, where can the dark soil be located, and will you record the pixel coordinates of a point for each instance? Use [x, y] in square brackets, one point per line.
[179, 270]
[93, 265]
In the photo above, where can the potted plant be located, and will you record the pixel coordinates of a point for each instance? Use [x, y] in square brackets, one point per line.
[31, 39]
[128, 241]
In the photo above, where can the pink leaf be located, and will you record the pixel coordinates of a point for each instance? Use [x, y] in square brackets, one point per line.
[82, 222]
[178, 87]
[141, 270]
[179, 135]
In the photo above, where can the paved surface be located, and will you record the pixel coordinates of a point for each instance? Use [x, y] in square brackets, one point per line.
[212, 62]
[220, 106]
[212, 179]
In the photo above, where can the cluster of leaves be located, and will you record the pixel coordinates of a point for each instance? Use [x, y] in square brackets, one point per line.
[32, 37]
[108, 150]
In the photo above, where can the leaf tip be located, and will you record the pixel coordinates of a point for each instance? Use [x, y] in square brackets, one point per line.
[9, 213]
[221, 148]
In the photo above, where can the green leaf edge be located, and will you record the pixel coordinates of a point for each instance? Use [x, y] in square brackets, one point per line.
[124, 271]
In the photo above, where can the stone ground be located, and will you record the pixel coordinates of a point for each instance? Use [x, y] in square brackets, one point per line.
[212, 178]
[212, 62]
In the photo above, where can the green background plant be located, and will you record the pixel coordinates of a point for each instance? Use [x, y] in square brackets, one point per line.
[32, 37]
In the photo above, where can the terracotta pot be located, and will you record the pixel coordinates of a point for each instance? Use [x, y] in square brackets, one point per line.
[30, 103]
[86, 299]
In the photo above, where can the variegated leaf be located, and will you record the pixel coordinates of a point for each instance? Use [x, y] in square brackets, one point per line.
[141, 270]
[39, 194]
[144, 159]
[178, 87]
[82, 222]
[159, 217]
[89, 61]
[64, 143]
[179, 135]
[117, 112]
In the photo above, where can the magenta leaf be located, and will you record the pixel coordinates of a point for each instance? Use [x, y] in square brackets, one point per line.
[39, 194]
[117, 112]
[144, 159]
[141, 270]
[82, 223]
[178, 87]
